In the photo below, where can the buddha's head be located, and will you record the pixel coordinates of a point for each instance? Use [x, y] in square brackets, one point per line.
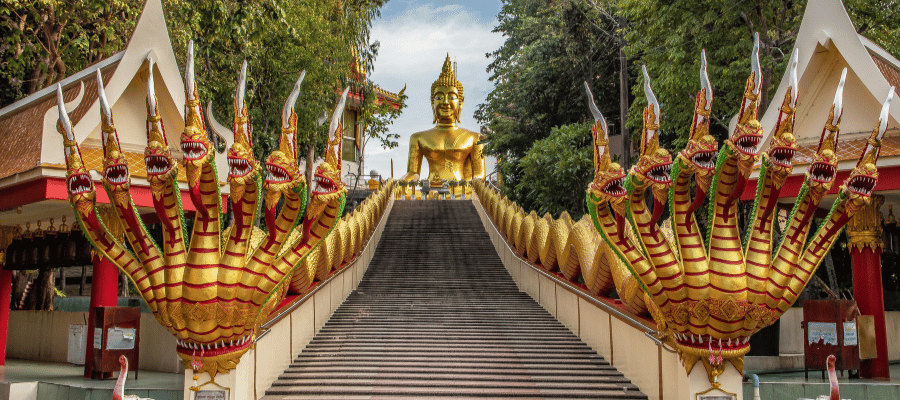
[446, 96]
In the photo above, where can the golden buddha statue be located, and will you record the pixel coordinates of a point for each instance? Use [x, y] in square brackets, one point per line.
[452, 152]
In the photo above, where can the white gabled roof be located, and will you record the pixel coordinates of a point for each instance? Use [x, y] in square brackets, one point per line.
[828, 42]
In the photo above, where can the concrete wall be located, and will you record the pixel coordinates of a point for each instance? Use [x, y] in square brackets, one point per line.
[44, 336]
[614, 335]
[295, 328]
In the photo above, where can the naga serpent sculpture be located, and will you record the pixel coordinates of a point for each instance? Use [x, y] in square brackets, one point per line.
[211, 292]
[710, 294]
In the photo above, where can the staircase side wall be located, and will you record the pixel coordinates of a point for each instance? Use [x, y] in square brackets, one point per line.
[261, 366]
[618, 337]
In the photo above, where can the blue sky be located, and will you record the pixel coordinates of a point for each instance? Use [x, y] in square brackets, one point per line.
[415, 38]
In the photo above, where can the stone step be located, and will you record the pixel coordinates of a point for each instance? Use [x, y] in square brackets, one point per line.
[436, 316]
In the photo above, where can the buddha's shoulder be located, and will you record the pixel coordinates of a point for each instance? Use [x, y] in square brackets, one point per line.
[439, 132]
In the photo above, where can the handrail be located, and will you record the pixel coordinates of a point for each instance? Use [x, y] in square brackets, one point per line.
[634, 321]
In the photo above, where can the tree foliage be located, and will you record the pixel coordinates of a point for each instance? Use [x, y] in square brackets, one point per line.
[565, 153]
[279, 39]
[667, 37]
[44, 41]
[550, 49]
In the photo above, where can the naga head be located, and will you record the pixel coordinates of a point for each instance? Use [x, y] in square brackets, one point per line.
[161, 167]
[79, 184]
[864, 176]
[115, 166]
[655, 163]
[195, 143]
[243, 168]
[821, 173]
[282, 172]
[609, 177]
[699, 156]
[748, 132]
[327, 182]
[783, 145]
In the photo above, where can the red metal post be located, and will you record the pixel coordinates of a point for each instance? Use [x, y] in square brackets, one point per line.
[104, 289]
[869, 296]
[5, 294]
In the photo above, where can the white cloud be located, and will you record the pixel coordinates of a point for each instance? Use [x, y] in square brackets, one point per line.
[414, 45]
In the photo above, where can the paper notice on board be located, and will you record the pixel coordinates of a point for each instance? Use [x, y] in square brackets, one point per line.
[850, 338]
[822, 333]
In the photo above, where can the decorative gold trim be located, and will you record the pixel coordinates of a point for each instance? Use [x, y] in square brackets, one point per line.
[864, 229]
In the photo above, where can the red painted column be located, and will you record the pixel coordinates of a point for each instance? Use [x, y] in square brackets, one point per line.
[104, 289]
[864, 231]
[5, 294]
[869, 295]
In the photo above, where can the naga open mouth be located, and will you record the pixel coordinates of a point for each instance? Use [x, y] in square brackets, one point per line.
[157, 165]
[239, 167]
[660, 173]
[747, 143]
[193, 150]
[277, 174]
[783, 156]
[212, 349]
[705, 159]
[117, 174]
[706, 341]
[80, 183]
[323, 185]
[822, 172]
[615, 187]
[862, 184]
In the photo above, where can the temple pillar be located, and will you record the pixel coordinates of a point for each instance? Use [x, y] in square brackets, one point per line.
[104, 283]
[865, 243]
[5, 294]
[7, 233]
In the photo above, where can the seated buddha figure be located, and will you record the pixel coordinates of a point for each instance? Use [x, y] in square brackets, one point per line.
[452, 152]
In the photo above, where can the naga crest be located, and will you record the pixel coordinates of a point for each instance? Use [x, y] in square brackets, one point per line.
[702, 149]
[823, 169]
[655, 163]
[327, 180]
[748, 132]
[609, 177]
[784, 145]
[161, 167]
[243, 168]
[864, 176]
[115, 167]
[195, 143]
[212, 287]
[283, 172]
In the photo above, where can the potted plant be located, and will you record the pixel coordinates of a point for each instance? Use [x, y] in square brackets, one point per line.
[453, 183]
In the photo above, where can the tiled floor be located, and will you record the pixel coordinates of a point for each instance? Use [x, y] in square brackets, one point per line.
[792, 385]
[65, 382]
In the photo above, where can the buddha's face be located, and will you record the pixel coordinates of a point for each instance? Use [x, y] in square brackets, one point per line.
[446, 104]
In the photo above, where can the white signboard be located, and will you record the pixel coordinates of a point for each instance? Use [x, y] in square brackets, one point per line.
[850, 338]
[98, 338]
[822, 333]
[210, 395]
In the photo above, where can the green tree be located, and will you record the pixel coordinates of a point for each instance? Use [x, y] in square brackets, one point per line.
[667, 37]
[878, 21]
[538, 75]
[565, 153]
[44, 41]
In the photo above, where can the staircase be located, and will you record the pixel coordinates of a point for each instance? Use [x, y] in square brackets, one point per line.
[437, 316]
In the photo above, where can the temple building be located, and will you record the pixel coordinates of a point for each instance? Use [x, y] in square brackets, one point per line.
[828, 43]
